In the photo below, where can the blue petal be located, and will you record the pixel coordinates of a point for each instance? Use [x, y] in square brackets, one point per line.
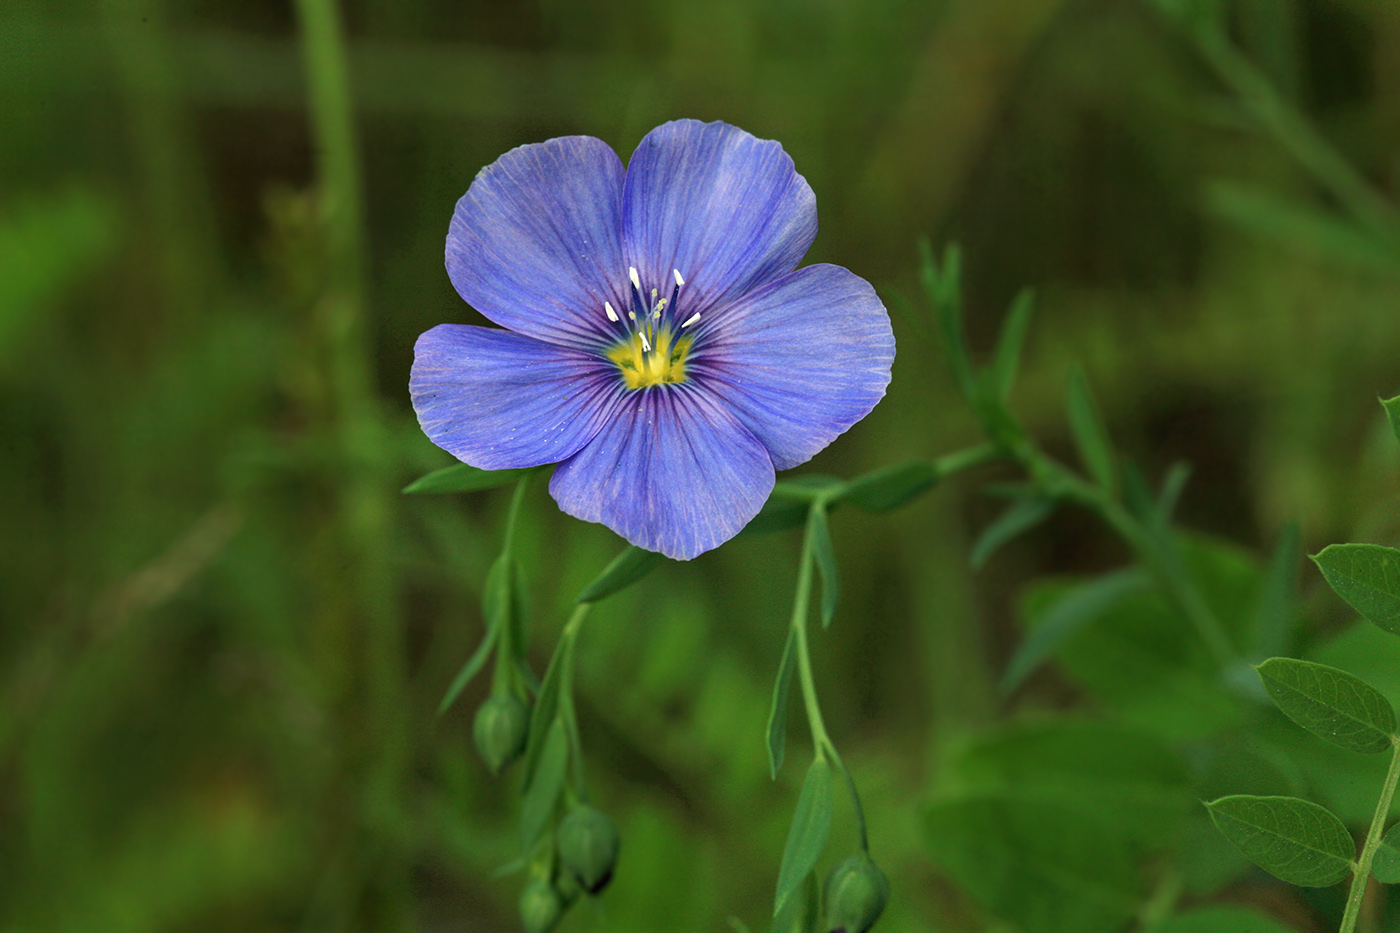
[498, 400]
[671, 472]
[725, 209]
[535, 243]
[799, 361]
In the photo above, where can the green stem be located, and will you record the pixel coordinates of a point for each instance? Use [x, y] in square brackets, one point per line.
[508, 653]
[822, 746]
[966, 459]
[567, 640]
[1361, 872]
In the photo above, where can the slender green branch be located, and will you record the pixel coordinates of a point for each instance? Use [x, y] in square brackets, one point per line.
[508, 653]
[1361, 872]
[567, 639]
[966, 459]
[800, 604]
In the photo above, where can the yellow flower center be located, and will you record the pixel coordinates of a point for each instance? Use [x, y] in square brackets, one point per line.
[650, 350]
[655, 362]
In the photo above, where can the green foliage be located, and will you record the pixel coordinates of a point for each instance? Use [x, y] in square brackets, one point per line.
[889, 487]
[1386, 865]
[1340, 707]
[811, 823]
[778, 711]
[1090, 436]
[627, 568]
[545, 782]
[1368, 577]
[1294, 840]
[1024, 513]
[819, 532]
[1392, 413]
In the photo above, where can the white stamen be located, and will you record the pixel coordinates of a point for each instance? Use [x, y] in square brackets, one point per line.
[636, 279]
[693, 318]
[679, 281]
[612, 315]
[646, 347]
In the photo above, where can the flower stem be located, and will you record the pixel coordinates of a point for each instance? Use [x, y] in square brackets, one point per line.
[822, 746]
[567, 639]
[508, 653]
[1361, 872]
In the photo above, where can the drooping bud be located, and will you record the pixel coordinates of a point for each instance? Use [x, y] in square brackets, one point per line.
[501, 727]
[540, 907]
[587, 843]
[856, 892]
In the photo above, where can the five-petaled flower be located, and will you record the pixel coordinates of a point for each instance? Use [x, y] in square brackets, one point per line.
[661, 346]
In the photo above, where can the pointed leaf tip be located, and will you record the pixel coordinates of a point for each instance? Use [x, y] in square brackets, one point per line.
[1367, 576]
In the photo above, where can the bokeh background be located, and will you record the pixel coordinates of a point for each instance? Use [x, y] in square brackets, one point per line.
[223, 630]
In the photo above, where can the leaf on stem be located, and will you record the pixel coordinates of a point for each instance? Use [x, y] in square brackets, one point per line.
[803, 910]
[819, 534]
[544, 790]
[1274, 613]
[1006, 359]
[1368, 577]
[462, 477]
[1170, 495]
[626, 568]
[1090, 437]
[807, 838]
[1385, 865]
[1330, 703]
[469, 670]
[545, 712]
[1294, 840]
[1021, 516]
[890, 487]
[1392, 411]
[778, 712]
[1066, 616]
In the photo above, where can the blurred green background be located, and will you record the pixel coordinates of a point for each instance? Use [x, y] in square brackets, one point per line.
[224, 633]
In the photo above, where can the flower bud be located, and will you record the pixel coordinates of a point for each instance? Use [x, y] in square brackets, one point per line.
[540, 907]
[856, 893]
[500, 730]
[587, 844]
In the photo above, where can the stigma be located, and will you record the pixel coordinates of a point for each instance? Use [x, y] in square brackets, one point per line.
[651, 347]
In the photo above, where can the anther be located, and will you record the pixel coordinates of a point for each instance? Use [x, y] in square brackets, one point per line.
[612, 315]
[679, 281]
[636, 279]
[646, 347]
[691, 320]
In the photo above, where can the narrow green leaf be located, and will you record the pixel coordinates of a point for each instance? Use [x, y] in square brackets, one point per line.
[819, 532]
[462, 477]
[778, 712]
[496, 592]
[1385, 865]
[1089, 434]
[890, 487]
[807, 838]
[943, 288]
[1293, 840]
[1274, 611]
[1392, 411]
[1368, 577]
[1330, 703]
[1288, 220]
[1021, 516]
[1067, 615]
[803, 910]
[545, 712]
[469, 670]
[1170, 495]
[626, 568]
[1006, 359]
[543, 792]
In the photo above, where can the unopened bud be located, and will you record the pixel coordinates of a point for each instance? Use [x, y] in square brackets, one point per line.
[501, 727]
[587, 845]
[856, 893]
[540, 907]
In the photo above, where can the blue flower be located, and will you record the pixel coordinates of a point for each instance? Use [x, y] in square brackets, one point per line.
[661, 344]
